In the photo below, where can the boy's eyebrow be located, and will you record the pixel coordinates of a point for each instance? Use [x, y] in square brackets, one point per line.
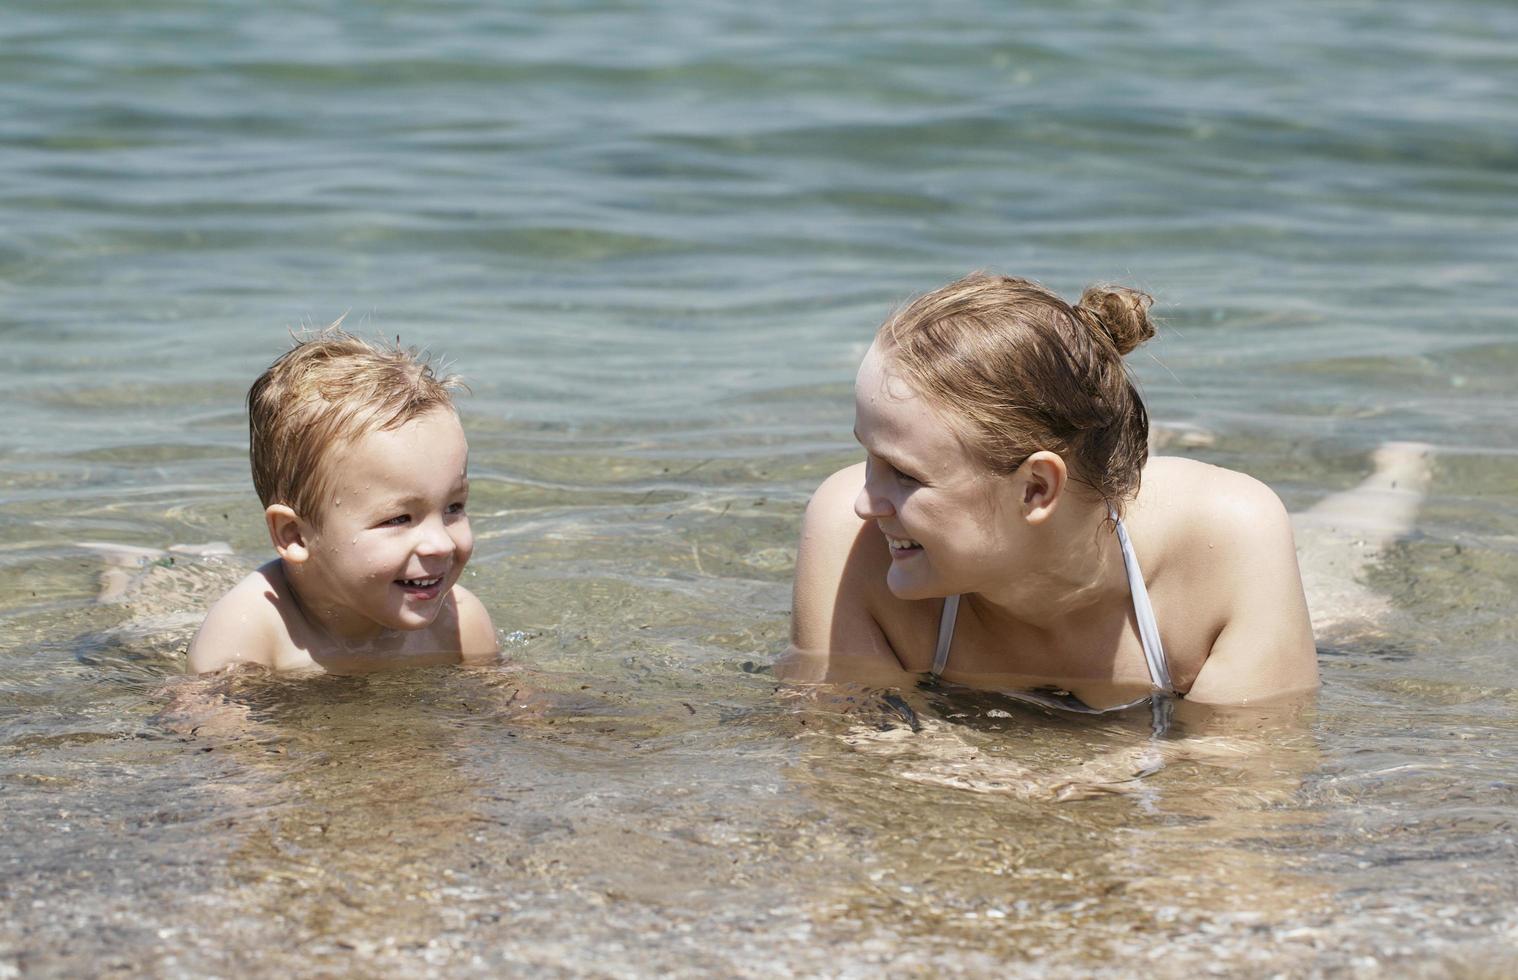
[400, 499]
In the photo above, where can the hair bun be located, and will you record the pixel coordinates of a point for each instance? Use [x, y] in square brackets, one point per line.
[1120, 312]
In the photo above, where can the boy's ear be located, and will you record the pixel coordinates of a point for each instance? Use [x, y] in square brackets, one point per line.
[1044, 481]
[288, 533]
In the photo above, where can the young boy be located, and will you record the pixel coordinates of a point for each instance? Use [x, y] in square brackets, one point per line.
[360, 463]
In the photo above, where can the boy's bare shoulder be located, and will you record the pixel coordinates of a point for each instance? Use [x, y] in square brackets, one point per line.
[248, 625]
[476, 632]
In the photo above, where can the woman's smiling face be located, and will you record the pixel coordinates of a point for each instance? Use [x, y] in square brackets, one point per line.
[947, 520]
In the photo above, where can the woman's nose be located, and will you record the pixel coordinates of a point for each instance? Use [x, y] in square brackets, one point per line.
[870, 506]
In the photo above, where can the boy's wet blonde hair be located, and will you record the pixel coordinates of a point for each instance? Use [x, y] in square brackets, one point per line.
[323, 394]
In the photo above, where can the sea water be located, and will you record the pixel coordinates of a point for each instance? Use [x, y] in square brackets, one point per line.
[655, 238]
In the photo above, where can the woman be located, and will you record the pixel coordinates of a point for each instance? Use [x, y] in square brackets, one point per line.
[1008, 529]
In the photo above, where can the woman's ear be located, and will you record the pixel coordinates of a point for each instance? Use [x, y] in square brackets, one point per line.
[288, 533]
[1044, 481]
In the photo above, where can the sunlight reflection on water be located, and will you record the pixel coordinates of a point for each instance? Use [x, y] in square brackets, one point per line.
[657, 263]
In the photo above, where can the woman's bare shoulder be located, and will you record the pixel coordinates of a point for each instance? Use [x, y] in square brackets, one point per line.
[830, 517]
[840, 586]
[1206, 534]
[1229, 537]
[835, 553]
[1195, 498]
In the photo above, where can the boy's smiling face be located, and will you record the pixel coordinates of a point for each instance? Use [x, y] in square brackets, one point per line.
[393, 536]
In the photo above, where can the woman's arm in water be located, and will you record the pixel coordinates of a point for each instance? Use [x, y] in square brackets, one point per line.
[1265, 650]
[840, 562]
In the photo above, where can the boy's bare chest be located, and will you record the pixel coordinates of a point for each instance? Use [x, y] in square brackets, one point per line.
[307, 648]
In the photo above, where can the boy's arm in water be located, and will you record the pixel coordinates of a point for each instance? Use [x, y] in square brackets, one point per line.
[199, 707]
[1265, 649]
[243, 627]
[477, 640]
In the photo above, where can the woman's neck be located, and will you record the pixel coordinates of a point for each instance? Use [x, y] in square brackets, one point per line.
[1068, 567]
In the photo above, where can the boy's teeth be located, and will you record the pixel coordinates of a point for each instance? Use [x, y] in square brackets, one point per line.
[421, 583]
[902, 543]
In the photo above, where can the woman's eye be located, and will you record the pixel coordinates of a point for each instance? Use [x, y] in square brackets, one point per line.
[901, 477]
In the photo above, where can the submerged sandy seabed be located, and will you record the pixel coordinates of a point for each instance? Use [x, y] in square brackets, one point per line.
[631, 792]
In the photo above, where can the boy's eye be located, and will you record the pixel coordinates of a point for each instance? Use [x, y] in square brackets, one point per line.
[398, 520]
[456, 508]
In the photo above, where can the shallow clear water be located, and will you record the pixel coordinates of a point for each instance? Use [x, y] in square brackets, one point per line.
[656, 238]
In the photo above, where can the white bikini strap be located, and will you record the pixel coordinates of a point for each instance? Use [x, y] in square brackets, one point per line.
[945, 633]
[1143, 612]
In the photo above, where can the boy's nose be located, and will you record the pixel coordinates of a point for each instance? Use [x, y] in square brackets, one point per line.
[435, 539]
